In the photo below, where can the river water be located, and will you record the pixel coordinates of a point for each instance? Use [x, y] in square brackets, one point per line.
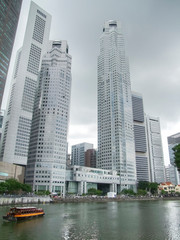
[131, 220]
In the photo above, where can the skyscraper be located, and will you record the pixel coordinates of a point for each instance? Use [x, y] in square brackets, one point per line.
[155, 150]
[116, 148]
[172, 174]
[90, 158]
[142, 161]
[15, 136]
[78, 153]
[46, 165]
[173, 140]
[9, 12]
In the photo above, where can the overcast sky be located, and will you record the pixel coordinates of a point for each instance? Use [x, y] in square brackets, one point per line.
[152, 36]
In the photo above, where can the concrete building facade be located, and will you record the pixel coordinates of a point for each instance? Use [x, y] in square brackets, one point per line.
[46, 166]
[16, 132]
[116, 147]
[79, 179]
[9, 170]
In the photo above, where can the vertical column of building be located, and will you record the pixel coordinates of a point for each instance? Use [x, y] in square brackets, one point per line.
[156, 159]
[116, 149]
[142, 163]
[46, 166]
[9, 12]
[15, 137]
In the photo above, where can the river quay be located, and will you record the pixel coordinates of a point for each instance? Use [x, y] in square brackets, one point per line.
[18, 200]
[85, 199]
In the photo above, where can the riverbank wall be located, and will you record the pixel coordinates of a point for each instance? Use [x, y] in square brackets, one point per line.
[105, 199]
[46, 199]
[24, 200]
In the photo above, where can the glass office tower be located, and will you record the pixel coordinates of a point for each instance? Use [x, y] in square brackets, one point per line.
[116, 147]
[9, 16]
[17, 122]
[46, 166]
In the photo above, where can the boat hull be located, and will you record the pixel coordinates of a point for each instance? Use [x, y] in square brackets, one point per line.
[9, 218]
[21, 217]
[21, 213]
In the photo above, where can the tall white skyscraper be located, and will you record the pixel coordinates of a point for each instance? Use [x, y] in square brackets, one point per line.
[15, 137]
[156, 159]
[116, 147]
[46, 165]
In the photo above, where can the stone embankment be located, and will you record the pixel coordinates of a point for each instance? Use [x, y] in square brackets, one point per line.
[10, 200]
[79, 199]
[19, 200]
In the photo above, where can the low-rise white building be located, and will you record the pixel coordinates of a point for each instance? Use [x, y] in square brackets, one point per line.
[79, 179]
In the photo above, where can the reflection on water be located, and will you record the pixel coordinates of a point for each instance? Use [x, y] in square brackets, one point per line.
[172, 222]
[99, 221]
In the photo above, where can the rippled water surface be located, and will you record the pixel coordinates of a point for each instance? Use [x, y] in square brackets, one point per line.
[154, 220]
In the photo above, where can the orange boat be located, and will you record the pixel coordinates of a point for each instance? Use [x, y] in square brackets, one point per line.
[20, 213]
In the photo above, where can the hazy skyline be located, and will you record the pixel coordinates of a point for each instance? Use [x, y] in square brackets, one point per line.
[152, 38]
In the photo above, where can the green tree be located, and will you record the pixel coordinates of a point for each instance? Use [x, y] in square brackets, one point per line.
[3, 187]
[12, 185]
[148, 186]
[93, 191]
[99, 192]
[26, 188]
[163, 192]
[42, 192]
[176, 150]
[141, 192]
[128, 191]
[144, 185]
[153, 186]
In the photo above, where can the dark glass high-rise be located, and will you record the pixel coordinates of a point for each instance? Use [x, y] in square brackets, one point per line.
[9, 16]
